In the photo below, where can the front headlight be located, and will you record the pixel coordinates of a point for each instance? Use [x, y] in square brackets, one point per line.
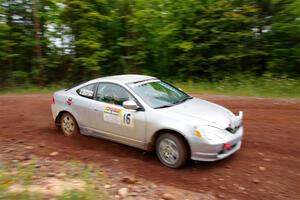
[211, 135]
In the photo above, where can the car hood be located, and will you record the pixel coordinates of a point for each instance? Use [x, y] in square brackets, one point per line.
[199, 111]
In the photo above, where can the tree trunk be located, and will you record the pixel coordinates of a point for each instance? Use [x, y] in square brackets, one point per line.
[37, 35]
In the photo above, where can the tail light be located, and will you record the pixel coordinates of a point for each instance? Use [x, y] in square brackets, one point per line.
[53, 100]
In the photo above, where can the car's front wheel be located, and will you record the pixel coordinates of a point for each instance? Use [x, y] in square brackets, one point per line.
[172, 150]
[68, 125]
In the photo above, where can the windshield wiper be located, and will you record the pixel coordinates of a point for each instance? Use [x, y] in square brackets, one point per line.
[178, 102]
[165, 106]
[183, 100]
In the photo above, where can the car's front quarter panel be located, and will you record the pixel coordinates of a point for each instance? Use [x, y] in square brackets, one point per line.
[158, 120]
[202, 150]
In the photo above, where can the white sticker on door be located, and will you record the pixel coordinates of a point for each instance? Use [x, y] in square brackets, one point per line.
[112, 115]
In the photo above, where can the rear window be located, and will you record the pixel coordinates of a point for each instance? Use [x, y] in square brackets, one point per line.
[87, 91]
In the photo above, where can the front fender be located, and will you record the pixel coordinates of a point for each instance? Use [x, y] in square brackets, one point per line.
[158, 123]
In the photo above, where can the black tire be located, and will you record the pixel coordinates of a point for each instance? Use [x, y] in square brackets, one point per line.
[181, 147]
[72, 128]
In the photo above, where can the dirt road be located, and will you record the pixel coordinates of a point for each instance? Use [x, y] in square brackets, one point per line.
[267, 166]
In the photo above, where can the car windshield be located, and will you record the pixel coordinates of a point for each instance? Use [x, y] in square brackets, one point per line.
[159, 94]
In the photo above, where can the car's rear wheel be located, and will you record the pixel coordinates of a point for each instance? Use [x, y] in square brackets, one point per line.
[68, 125]
[172, 150]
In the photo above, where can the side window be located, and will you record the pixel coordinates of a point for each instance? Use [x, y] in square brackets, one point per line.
[87, 91]
[112, 93]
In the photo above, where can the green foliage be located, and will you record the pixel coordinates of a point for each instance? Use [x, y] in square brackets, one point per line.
[74, 40]
[86, 19]
[245, 85]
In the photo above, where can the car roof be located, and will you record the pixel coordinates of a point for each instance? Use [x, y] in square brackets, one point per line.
[126, 78]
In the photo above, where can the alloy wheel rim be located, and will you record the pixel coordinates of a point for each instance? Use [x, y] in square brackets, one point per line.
[168, 151]
[68, 125]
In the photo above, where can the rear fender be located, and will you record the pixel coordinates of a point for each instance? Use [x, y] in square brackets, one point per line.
[58, 117]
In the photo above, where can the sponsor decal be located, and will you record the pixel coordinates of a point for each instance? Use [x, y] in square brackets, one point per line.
[118, 116]
[69, 101]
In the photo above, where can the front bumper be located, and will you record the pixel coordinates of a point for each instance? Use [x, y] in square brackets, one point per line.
[206, 152]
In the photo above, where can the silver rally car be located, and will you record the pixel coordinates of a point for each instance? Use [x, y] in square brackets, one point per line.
[150, 114]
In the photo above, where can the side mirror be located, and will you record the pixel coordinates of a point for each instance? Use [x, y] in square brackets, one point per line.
[131, 105]
[86, 93]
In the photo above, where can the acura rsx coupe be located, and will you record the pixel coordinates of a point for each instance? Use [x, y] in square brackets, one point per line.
[150, 114]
